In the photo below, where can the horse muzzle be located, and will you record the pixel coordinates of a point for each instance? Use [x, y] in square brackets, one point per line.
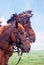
[25, 49]
[32, 39]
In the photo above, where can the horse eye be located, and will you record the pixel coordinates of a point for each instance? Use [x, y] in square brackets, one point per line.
[22, 32]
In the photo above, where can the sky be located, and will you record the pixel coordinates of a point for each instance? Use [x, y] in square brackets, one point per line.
[8, 7]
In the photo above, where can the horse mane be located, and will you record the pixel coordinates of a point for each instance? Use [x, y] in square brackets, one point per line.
[25, 13]
[13, 17]
[21, 18]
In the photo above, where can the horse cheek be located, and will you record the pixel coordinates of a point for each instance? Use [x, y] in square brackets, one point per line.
[13, 37]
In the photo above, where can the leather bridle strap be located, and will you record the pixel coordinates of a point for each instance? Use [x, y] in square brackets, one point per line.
[20, 55]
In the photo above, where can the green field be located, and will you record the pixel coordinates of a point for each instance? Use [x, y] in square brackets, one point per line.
[35, 57]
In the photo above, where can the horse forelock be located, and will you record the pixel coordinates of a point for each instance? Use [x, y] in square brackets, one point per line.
[13, 18]
[26, 13]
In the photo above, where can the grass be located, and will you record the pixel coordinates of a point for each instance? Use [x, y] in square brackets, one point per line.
[35, 57]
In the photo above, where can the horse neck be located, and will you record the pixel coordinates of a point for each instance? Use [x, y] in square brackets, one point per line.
[6, 31]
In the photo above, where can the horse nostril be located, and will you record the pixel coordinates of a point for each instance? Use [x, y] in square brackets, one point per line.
[29, 48]
[33, 40]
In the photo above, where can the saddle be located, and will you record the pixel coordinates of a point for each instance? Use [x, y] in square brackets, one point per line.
[2, 28]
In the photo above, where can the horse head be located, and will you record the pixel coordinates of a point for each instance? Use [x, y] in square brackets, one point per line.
[24, 19]
[30, 31]
[20, 37]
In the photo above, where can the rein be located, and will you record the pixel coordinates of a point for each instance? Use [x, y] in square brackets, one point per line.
[20, 55]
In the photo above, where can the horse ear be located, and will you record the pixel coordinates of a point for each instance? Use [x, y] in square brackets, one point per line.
[16, 24]
[20, 26]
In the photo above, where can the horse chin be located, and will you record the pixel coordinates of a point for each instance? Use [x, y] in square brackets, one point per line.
[25, 49]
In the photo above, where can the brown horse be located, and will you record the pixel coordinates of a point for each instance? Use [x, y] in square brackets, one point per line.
[24, 19]
[12, 34]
